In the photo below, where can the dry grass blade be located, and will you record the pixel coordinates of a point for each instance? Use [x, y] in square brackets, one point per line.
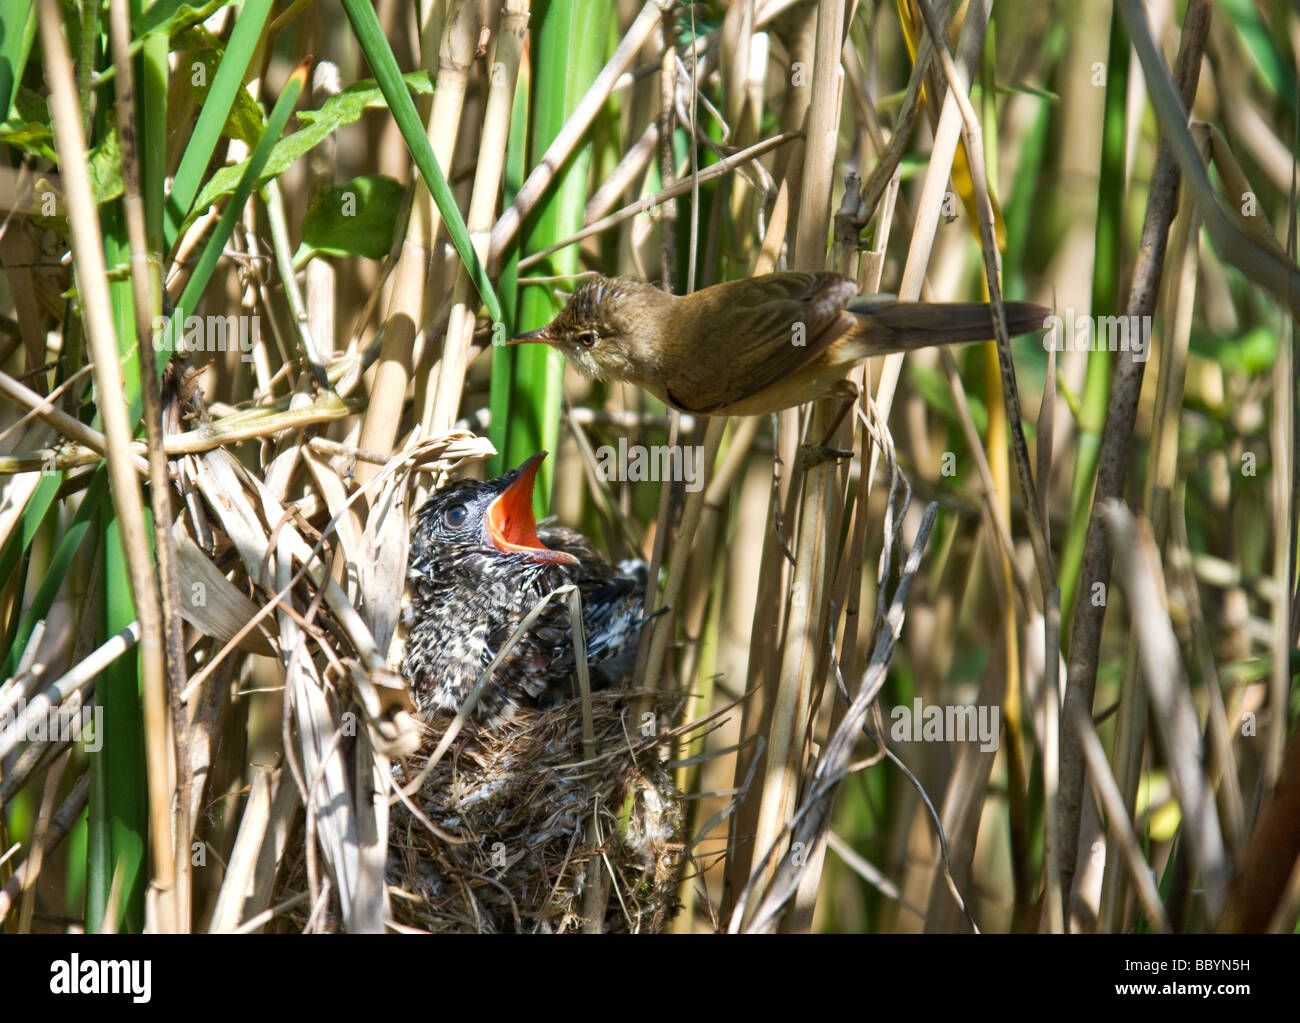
[1174, 711]
[78, 681]
[1121, 827]
[808, 825]
[1271, 268]
[218, 608]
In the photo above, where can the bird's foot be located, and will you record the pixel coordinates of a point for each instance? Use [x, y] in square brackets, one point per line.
[815, 454]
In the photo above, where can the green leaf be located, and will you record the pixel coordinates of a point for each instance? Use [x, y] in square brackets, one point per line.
[211, 254]
[167, 17]
[358, 218]
[29, 521]
[245, 121]
[56, 573]
[1258, 40]
[106, 168]
[173, 16]
[29, 127]
[31, 106]
[336, 112]
[227, 83]
[29, 136]
[19, 20]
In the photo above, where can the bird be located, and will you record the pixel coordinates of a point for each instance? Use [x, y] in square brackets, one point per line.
[477, 566]
[753, 346]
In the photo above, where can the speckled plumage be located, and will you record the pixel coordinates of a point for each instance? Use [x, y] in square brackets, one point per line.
[465, 597]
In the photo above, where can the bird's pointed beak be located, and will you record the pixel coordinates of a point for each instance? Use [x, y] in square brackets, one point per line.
[541, 334]
[510, 524]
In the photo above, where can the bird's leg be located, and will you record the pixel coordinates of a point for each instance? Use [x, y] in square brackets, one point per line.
[814, 454]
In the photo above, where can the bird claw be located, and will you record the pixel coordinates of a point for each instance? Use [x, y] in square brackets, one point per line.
[815, 454]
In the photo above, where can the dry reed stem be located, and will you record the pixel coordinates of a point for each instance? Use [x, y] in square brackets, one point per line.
[809, 823]
[456, 57]
[320, 277]
[77, 681]
[1116, 440]
[273, 203]
[643, 205]
[70, 810]
[959, 82]
[663, 626]
[406, 309]
[241, 426]
[803, 661]
[1174, 711]
[1131, 723]
[539, 179]
[511, 37]
[146, 301]
[24, 397]
[943, 150]
[1117, 813]
[847, 586]
[933, 189]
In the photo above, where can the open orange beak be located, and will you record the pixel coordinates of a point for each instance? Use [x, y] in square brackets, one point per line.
[510, 523]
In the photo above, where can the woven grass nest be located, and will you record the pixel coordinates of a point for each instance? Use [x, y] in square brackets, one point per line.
[528, 811]
[508, 828]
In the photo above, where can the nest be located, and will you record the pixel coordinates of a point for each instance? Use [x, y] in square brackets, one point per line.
[529, 829]
[525, 819]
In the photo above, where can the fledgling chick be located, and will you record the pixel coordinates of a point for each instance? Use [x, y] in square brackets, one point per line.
[477, 566]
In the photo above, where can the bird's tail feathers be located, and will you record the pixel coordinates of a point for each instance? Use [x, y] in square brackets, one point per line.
[892, 326]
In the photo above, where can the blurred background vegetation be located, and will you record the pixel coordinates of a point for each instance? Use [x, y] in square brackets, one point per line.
[381, 191]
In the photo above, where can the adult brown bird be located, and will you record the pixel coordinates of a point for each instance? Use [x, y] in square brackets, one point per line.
[754, 346]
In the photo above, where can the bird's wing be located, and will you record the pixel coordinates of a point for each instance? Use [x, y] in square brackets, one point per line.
[529, 666]
[774, 325]
[611, 597]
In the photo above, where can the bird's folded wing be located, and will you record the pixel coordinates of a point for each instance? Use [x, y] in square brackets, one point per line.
[773, 327]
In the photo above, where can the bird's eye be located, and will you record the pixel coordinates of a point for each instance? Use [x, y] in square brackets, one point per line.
[587, 338]
[455, 515]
